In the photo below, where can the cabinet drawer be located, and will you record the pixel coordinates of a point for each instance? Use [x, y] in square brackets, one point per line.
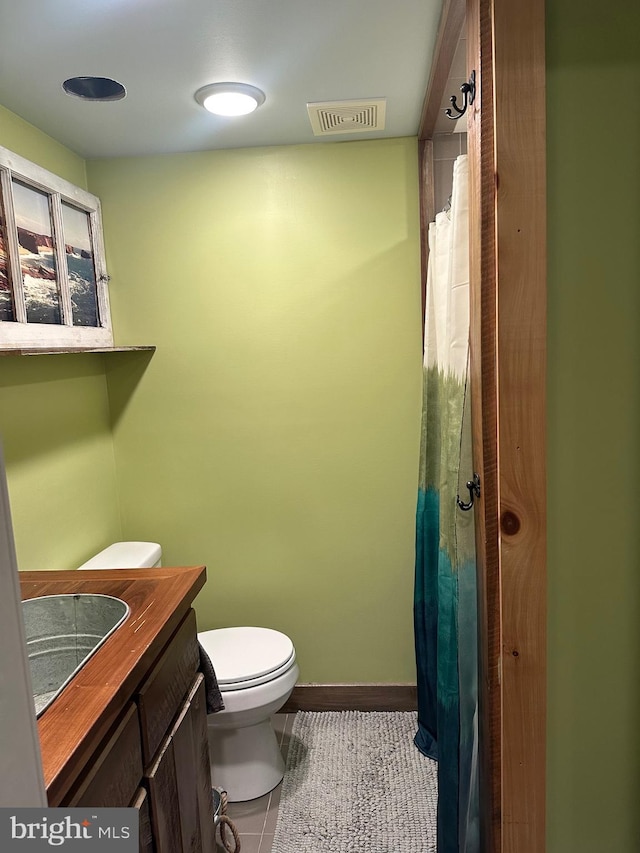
[162, 694]
[115, 772]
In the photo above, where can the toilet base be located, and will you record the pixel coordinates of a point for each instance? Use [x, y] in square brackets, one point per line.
[246, 762]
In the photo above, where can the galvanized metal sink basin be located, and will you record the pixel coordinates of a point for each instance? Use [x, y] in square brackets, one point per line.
[63, 632]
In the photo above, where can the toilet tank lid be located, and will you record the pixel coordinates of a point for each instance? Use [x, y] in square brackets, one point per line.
[126, 555]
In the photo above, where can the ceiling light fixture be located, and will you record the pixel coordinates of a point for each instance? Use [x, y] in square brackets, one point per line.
[230, 99]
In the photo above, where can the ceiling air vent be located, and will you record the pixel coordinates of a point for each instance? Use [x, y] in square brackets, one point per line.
[331, 117]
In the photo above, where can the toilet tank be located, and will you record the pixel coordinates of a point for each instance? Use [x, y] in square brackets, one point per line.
[126, 555]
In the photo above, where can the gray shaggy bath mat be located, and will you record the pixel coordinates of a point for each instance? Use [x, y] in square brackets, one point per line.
[355, 783]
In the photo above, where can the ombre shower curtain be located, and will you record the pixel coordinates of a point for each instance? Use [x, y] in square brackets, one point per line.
[445, 602]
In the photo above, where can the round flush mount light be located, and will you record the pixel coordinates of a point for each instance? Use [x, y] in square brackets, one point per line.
[230, 99]
[94, 88]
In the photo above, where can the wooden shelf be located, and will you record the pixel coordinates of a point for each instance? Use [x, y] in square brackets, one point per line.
[67, 350]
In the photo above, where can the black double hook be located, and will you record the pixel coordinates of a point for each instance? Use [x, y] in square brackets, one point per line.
[474, 491]
[469, 92]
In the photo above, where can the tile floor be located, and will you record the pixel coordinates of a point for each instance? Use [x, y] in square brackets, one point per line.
[255, 820]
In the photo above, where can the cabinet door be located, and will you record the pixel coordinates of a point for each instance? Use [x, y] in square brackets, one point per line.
[141, 802]
[179, 782]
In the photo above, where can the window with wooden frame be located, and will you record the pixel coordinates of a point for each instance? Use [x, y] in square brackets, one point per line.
[53, 277]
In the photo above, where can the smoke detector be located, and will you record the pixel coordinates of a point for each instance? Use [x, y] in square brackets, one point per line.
[333, 117]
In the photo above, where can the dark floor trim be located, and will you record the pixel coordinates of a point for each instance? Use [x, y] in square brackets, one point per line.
[352, 697]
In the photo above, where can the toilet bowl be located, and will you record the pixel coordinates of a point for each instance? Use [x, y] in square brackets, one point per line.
[256, 670]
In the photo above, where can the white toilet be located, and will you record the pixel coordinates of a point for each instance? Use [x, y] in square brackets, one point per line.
[256, 670]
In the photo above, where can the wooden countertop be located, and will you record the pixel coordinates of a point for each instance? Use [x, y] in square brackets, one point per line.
[75, 723]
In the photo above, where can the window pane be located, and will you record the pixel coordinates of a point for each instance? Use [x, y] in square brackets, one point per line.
[6, 298]
[37, 258]
[82, 272]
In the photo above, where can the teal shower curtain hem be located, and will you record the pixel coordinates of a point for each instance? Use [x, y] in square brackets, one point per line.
[436, 633]
[426, 621]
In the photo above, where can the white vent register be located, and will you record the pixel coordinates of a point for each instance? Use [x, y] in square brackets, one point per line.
[332, 117]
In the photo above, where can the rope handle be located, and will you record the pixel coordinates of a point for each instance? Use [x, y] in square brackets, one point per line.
[225, 823]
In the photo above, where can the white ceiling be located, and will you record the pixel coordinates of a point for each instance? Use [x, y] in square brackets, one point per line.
[162, 51]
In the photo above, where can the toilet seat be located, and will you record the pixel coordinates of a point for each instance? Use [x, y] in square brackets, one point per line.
[247, 656]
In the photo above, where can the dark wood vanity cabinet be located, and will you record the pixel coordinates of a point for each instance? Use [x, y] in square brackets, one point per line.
[156, 756]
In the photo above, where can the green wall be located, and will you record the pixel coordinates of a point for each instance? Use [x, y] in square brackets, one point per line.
[593, 74]
[54, 422]
[23, 138]
[274, 435]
